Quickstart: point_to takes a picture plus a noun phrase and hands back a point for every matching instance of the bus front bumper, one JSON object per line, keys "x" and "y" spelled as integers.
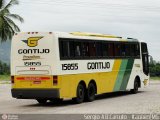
{"x": 35, "y": 93}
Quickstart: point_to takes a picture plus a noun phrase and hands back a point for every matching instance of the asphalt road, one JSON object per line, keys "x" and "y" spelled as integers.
{"x": 146, "y": 101}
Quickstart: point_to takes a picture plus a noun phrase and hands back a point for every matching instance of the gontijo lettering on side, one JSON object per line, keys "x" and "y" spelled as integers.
{"x": 98, "y": 65}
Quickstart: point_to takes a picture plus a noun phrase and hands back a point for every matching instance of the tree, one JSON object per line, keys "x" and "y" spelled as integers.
{"x": 4, "y": 68}
{"x": 155, "y": 69}
{"x": 7, "y": 25}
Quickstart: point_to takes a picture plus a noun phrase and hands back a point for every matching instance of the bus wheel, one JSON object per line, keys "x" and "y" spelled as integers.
{"x": 135, "y": 89}
{"x": 91, "y": 91}
{"x": 41, "y": 101}
{"x": 80, "y": 94}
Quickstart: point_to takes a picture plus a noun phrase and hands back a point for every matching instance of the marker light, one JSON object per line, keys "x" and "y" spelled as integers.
{"x": 55, "y": 80}
{"x": 32, "y": 68}
{"x": 12, "y": 79}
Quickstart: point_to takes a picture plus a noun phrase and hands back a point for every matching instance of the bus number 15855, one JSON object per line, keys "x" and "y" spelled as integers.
{"x": 72, "y": 66}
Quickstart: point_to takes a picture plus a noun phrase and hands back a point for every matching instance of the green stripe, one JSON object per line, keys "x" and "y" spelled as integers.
{"x": 120, "y": 75}
{"x": 127, "y": 74}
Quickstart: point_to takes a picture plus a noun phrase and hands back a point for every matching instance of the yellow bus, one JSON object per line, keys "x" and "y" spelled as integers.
{"x": 58, "y": 65}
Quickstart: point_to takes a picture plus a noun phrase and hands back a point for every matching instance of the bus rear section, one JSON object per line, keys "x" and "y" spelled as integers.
{"x": 32, "y": 58}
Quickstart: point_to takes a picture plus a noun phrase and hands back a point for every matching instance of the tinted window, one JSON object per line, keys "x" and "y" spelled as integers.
{"x": 64, "y": 51}
{"x": 92, "y": 49}
{"x": 128, "y": 50}
{"x": 99, "y": 51}
{"x": 117, "y": 49}
{"x": 134, "y": 49}
{"x": 77, "y": 49}
{"x": 85, "y": 49}
{"x": 123, "y": 49}
{"x": 88, "y": 49}
{"x": 104, "y": 49}
{"x": 111, "y": 49}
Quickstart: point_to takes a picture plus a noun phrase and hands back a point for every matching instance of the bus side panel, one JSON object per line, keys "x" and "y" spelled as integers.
{"x": 69, "y": 83}
{"x": 65, "y": 81}
{"x": 120, "y": 78}
{"x": 105, "y": 81}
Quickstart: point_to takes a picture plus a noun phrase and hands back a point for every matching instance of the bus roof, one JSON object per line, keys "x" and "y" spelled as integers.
{"x": 95, "y": 36}
{"x": 86, "y": 35}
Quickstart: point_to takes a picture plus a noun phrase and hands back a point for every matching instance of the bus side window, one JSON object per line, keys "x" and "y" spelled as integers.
{"x": 117, "y": 47}
{"x": 85, "y": 49}
{"x": 99, "y": 52}
{"x": 123, "y": 50}
{"x": 64, "y": 51}
{"x": 127, "y": 47}
{"x": 132, "y": 50}
{"x": 111, "y": 49}
{"x": 92, "y": 49}
{"x": 78, "y": 49}
{"x": 71, "y": 49}
{"x": 135, "y": 51}
{"x": 105, "y": 49}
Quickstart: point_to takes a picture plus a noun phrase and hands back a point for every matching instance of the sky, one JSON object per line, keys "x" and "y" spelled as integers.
{"x": 127, "y": 18}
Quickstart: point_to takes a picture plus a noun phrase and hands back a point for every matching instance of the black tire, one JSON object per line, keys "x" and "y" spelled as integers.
{"x": 136, "y": 86}
{"x": 80, "y": 94}
{"x": 41, "y": 101}
{"x": 91, "y": 91}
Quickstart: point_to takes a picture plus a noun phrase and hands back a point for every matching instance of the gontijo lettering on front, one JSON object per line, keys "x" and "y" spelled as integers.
{"x": 57, "y": 65}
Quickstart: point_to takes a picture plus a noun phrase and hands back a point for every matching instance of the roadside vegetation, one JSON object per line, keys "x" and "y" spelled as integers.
{"x": 155, "y": 70}
{"x": 155, "y": 78}
{"x": 7, "y": 29}
{"x": 5, "y": 77}
{"x": 4, "y": 71}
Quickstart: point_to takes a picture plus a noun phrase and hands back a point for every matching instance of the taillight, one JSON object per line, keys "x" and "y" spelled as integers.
{"x": 55, "y": 80}
{"x": 12, "y": 79}
{"x": 32, "y": 68}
